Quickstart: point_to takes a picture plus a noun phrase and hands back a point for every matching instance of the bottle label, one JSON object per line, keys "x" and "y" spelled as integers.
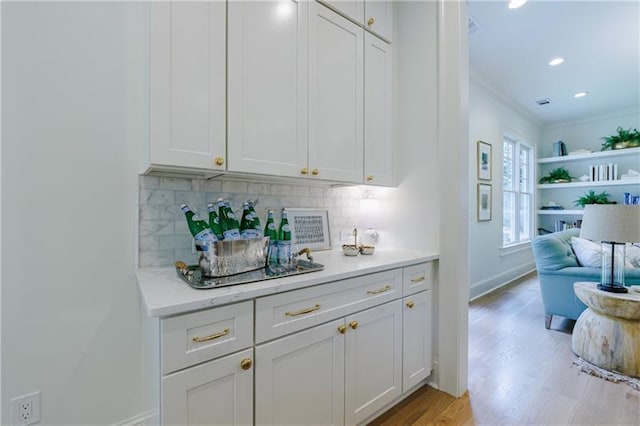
{"x": 272, "y": 226}
{"x": 205, "y": 235}
{"x": 232, "y": 234}
{"x": 249, "y": 233}
{"x": 286, "y": 227}
{"x": 284, "y": 252}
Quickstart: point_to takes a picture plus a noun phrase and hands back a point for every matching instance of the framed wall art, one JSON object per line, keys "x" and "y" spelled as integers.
{"x": 484, "y": 161}
{"x": 484, "y": 202}
{"x": 309, "y": 228}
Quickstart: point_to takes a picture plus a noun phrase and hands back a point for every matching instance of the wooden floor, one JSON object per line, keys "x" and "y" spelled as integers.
{"x": 520, "y": 373}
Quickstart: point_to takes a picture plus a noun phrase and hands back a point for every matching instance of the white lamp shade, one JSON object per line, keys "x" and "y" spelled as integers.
{"x": 369, "y": 213}
{"x": 611, "y": 222}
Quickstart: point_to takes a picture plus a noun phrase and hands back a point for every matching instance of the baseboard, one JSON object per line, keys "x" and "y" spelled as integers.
{"x": 145, "y": 419}
{"x": 493, "y": 283}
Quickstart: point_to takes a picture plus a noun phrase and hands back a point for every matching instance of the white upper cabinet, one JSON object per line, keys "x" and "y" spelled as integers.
{"x": 267, "y": 84}
{"x": 374, "y": 15}
{"x": 188, "y": 85}
{"x": 378, "y": 148}
{"x": 378, "y": 18}
{"x": 335, "y": 96}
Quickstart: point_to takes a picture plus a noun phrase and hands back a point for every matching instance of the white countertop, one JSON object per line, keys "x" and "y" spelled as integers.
{"x": 164, "y": 293}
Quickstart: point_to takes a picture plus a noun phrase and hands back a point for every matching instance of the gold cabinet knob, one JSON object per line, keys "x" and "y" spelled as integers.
{"x": 245, "y": 364}
{"x": 370, "y": 178}
{"x": 353, "y": 324}
{"x": 219, "y": 161}
{"x": 304, "y": 171}
{"x": 371, "y": 21}
{"x": 410, "y": 304}
{"x": 342, "y": 329}
{"x": 315, "y": 172}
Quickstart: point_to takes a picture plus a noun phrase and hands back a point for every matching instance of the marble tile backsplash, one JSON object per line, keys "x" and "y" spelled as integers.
{"x": 163, "y": 233}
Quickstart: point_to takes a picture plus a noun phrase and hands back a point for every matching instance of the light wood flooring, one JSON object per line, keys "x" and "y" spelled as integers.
{"x": 520, "y": 373}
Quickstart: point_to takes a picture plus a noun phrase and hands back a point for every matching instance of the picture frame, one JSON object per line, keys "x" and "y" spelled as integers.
{"x": 484, "y": 161}
{"x": 484, "y": 202}
{"x": 309, "y": 228}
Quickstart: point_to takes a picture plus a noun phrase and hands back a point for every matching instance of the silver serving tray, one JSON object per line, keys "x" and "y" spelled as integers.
{"x": 192, "y": 274}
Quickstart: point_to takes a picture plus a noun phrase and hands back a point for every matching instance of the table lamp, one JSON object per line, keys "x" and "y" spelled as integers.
{"x": 613, "y": 225}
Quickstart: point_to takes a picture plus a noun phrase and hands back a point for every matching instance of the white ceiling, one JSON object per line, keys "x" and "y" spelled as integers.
{"x": 600, "y": 41}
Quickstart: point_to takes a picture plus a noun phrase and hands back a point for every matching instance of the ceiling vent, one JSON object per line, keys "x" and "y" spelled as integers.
{"x": 544, "y": 101}
{"x": 472, "y": 25}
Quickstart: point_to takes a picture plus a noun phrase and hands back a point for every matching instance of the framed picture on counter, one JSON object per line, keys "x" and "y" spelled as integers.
{"x": 309, "y": 228}
{"x": 484, "y": 202}
{"x": 484, "y": 161}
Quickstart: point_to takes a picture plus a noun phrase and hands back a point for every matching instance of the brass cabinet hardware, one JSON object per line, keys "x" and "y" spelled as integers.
{"x": 419, "y": 279}
{"x": 304, "y": 171}
{"x": 371, "y": 21}
{"x": 315, "y": 172}
{"x": 245, "y": 364}
{"x": 353, "y": 324}
{"x": 302, "y": 311}
{"x": 370, "y": 178}
{"x": 219, "y": 161}
{"x": 342, "y": 329}
{"x": 410, "y": 304}
{"x": 211, "y": 337}
{"x": 380, "y": 290}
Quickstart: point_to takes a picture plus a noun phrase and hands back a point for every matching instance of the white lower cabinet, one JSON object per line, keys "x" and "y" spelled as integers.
{"x": 219, "y": 392}
{"x": 373, "y": 361}
{"x": 416, "y": 338}
{"x": 338, "y": 373}
{"x": 300, "y": 378}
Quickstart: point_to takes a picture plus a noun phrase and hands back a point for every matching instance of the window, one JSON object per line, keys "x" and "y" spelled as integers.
{"x": 517, "y": 192}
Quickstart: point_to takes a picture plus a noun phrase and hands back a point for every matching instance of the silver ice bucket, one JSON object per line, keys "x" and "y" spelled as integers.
{"x": 225, "y": 258}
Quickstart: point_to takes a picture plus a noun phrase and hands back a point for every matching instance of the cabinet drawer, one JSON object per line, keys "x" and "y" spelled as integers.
{"x": 200, "y": 336}
{"x": 417, "y": 278}
{"x": 286, "y": 313}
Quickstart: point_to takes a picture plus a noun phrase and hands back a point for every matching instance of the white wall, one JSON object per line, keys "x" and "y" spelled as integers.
{"x": 490, "y": 116}
{"x": 586, "y": 133}
{"x": 73, "y": 106}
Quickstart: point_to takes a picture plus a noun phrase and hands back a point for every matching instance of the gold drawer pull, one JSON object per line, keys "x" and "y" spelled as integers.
{"x": 245, "y": 364}
{"x": 212, "y": 337}
{"x": 419, "y": 279}
{"x": 342, "y": 329}
{"x": 219, "y": 161}
{"x": 370, "y": 178}
{"x": 315, "y": 172}
{"x": 302, "y": 311}
{"x": 304, "y": 171}
{"x": 410, "y": 304}
{"x": 380, "y": 290}
{"x": 353, "y": 324}
{"x": 371, "y": 21}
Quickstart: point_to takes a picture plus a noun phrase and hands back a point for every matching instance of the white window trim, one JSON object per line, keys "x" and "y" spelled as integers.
{"x": 509, "y": 248}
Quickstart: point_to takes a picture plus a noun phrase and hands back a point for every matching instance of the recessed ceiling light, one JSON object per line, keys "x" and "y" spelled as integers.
{"x": 514, "y": 4}
{"x": 556, "y": 61}
{"x": 580, "y": 94}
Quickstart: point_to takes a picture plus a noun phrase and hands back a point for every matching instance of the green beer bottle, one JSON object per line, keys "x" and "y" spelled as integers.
{"x": 270, "y": 231}
{"x": 256, "y": 219}
{"x": 214, "y": 221}
{"x": 284, "y": 240}
{"x": 199, "y": 228}
{"x": 247, "y": 229}
{"x": 228, "y": 222}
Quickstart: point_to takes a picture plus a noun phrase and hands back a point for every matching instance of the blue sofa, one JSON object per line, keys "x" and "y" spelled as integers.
{"x": 558, "y": 269}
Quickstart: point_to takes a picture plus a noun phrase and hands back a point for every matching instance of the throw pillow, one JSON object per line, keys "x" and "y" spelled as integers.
{"x": 587, "y": 252}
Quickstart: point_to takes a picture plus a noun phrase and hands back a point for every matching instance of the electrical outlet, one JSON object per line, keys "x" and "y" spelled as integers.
{"x": 25, "y": 409}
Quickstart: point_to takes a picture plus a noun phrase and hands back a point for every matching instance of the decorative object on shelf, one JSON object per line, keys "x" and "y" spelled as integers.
{"x": 551, "y": 205}
{"x": 613, "y": 225}
{"x": 592, "y": 198}
{"x": 559, "y": 175}
{"x": 580, "y": 151}
{"x": 309, "y": 228}
{"x": 484, "y": 202}
{"x": 631, "y": 174}
{"x": 625, "y": 138}
{"x": 484, "y": 161}
{"x": 559, "y": 149}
